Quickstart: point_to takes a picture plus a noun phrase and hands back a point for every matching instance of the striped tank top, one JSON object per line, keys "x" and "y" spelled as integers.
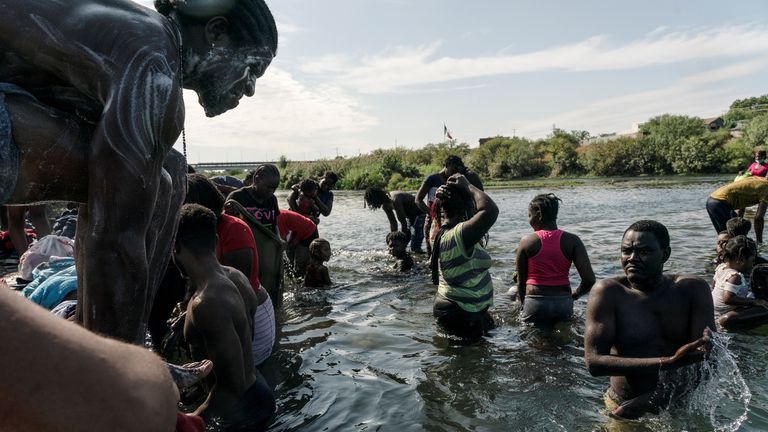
{"x": 464, "y": 279}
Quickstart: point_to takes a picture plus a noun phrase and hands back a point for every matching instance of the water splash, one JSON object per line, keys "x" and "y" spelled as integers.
{"x": 724, "y": 393}
{"x": 717, "y": 390}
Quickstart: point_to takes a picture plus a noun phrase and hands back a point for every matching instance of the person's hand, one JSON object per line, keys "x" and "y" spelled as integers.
{"x": 442, "y": 193}
{"x": 459, "y": 180}
{"x": 689, "y": 353}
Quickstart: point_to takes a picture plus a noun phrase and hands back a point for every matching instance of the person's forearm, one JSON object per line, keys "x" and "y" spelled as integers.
{"x": 324, "y": 209}
{"x": 741, "y": 301}
{"x": 612, "y": 365}
{"x": 584, "y": 287}
{"x": 484, "y": 205}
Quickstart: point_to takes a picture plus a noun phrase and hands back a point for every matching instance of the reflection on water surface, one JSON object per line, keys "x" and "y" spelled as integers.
{"x": 364, "y": 355}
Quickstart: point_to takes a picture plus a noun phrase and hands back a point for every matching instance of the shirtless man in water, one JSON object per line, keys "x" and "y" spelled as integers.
{"x": 219, "y": 325}
{"x": 644, "y": 322}
{"x": 90, "y": 107}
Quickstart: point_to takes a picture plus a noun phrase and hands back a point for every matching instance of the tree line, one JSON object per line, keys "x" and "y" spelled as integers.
{"x": 665, "y": 144}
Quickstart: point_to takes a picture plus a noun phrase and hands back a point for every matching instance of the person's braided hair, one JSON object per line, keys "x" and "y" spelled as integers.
{"x": 547, "y": 206}
{"x": 739, "y": 247}
{"x": 250, "y": 20}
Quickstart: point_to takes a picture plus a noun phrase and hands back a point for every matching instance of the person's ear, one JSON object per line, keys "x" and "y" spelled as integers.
{"x": 666, "y": 254}
{"x": 217, "y": 31}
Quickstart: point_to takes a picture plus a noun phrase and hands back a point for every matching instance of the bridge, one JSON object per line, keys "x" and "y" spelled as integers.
{"x": 224, "y": 166}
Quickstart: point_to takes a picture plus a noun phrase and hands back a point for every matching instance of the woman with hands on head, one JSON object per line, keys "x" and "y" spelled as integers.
{"x": 459, "y": 262}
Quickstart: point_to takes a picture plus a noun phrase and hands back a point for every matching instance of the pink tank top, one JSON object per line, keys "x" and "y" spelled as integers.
{"x": 549, "y": 267}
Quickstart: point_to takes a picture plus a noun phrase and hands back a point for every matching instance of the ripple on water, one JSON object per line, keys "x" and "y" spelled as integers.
{"x": 364, "y": 355}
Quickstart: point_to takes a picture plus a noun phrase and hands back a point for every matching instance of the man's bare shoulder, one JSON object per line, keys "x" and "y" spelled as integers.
{"x": 690, "y": 283}
{"x": 610, "y": 286}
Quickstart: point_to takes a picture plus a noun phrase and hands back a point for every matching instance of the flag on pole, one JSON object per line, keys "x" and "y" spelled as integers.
{"x": 446, "y": 132}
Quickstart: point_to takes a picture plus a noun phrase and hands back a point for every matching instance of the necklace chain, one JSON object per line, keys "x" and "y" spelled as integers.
{"x": 181, "y": 84}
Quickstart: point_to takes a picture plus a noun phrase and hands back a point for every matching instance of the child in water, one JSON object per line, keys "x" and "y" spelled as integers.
{"x": 397, "y": 241}
{"x": 305, "y": 203}
{"x": 317, "y": 275}
{"x": 731, "y": 294}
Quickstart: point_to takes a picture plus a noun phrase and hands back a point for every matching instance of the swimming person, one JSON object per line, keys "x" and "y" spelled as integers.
{"x": 459, "y": 263}
{"x": 399, "y": 207}
{"x": 736, "y": 305}
{"x": 92, "y": 92}
{"x": 644, "y": 322}
{"x": 543, "y": 261}
{"x": 219, "y": 326}
{"x": 730, "y": 201}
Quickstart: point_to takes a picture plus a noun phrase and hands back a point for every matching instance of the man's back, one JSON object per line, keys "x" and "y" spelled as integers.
{"x": 219, "y": 328}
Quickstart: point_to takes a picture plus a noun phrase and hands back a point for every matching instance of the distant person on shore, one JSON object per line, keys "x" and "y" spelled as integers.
{"x": 219, "y": 326}
{"x": 459, "y": 263}
{"x": 399, "y": 207}
{"x": 323, "y": 199}
{"x": 452, "y": 165}
{"x": 317, "y": 275}
{"x": 306, "y": 202}
{"x": 645, "y": 322}
{"x": 731, "y": 200}
{"x": 397, "y": 241}
{"x": 736, "y": 305}
{"x": 544, "y": 259}
{"x": 758, "y": 168}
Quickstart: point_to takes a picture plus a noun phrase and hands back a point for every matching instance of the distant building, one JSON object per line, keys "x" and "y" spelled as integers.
{"x": 713, "y": 123}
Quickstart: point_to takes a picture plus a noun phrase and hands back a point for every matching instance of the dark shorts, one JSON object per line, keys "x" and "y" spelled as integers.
{"x": 454, "y": 320}
{"x": 253, "y": 411}
{"x": 547, "y": 310}
{"x": 719, "y": 213}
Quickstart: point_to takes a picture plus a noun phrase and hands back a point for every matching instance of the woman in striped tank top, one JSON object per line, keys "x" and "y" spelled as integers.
{"x": 459, "y": 263}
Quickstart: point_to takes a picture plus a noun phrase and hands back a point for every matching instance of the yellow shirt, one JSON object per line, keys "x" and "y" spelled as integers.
{"x": 743, "y": 193}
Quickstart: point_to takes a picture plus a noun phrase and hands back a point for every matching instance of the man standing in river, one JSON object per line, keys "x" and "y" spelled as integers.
{"x": 644, "y": 322}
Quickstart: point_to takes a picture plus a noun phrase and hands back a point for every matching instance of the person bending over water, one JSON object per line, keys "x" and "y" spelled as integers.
{"x": 644, "y": 322}
{"x": 730, "y": 201}
{"x": 459, "y": 263}
{"x": 219, "y": 326}
{"x": 731, "y": 295}
{"x": 543, "y": 261}
{"x": 92, "y": 89}
{"x": 399, "y": 207}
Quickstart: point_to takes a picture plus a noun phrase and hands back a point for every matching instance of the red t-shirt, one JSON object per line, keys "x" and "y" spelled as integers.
{"x": 290, "y": 221}
{"x": 235, "y": 234}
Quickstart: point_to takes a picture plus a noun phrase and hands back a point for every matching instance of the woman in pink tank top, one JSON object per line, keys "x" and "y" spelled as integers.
{"x": 543, "y": 261}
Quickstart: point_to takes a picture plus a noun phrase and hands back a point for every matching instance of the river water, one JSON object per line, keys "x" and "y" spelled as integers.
{"x": 364, "y": 354}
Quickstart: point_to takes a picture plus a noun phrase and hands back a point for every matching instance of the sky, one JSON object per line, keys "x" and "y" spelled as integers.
{"x": 351, "y": 76}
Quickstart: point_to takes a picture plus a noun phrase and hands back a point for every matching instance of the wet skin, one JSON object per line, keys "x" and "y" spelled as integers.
{"x": 645, "y": 321}
{"x": 108, "y": 111}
